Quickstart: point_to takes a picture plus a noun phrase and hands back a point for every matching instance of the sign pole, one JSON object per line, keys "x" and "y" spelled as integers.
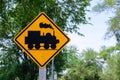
{"x": 42, "y": 73}
{"x": 53, "y": 69}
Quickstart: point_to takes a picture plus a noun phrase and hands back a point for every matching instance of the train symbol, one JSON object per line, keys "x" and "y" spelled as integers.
{"x": 34, "y": 39}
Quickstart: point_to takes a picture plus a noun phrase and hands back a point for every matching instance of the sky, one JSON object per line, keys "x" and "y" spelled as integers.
{"x": 95, "y": 33}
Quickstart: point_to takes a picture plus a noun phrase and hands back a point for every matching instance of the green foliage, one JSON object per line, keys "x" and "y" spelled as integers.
{"x": 104, "y": 5}
{"x": 111, "y": 55}
{"x": 67, "y": 58}
{"x": 16, "y": 14}
{"x": 111, "y": 60}
{"x": 104, "y": 65}
{"x": 89, "y": 54}
{"x": 114, "y": 26}
{"x": 72, "y": 54}
{"x": 87, "y": 68}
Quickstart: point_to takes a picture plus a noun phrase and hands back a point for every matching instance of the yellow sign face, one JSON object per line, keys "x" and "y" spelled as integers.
{"x": 41, "y": 40}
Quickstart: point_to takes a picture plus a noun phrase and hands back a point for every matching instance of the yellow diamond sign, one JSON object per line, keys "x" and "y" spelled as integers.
{"x": 41, "y": 40}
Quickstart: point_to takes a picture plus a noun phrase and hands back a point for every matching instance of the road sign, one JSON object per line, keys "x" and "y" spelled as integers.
{"x": 41, "y": 40}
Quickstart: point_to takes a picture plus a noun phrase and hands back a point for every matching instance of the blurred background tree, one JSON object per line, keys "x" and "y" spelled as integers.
{"x": 114, "y": 7}
{"x": 88, "y": 67}
{"x": 111, "y": 55}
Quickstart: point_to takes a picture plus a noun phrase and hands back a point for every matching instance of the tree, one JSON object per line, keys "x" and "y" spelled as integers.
{"x": 110, "y": 57}
{"x": 111, "y": 54}
{"x": 87, "y": 68}
{"x": 111, "y": 6}
{"x": 16, "y": 14}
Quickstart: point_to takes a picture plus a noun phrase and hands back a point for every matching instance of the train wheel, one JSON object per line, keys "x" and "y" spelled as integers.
{"x": 30, "y": 46}
{"x": 53, "y": 46}
{"x": 46, "y": 46}
{"x": 37, "y": 46}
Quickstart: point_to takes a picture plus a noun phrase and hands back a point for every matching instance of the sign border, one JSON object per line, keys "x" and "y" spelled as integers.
{"x": 29, "y": 54}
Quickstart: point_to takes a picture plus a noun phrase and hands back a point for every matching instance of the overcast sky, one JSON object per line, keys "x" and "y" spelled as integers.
{"x": 94, "y": 34}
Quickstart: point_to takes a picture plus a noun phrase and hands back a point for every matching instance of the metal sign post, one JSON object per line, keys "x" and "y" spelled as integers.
{"x": 52, "y": 77}
{"x": 42, "y": 73}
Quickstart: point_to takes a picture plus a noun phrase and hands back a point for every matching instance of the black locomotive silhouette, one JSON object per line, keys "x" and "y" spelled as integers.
{"x": 34, "y": 39}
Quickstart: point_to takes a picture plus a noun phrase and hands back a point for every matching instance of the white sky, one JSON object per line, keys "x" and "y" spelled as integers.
{"x": 94, "y": 34}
